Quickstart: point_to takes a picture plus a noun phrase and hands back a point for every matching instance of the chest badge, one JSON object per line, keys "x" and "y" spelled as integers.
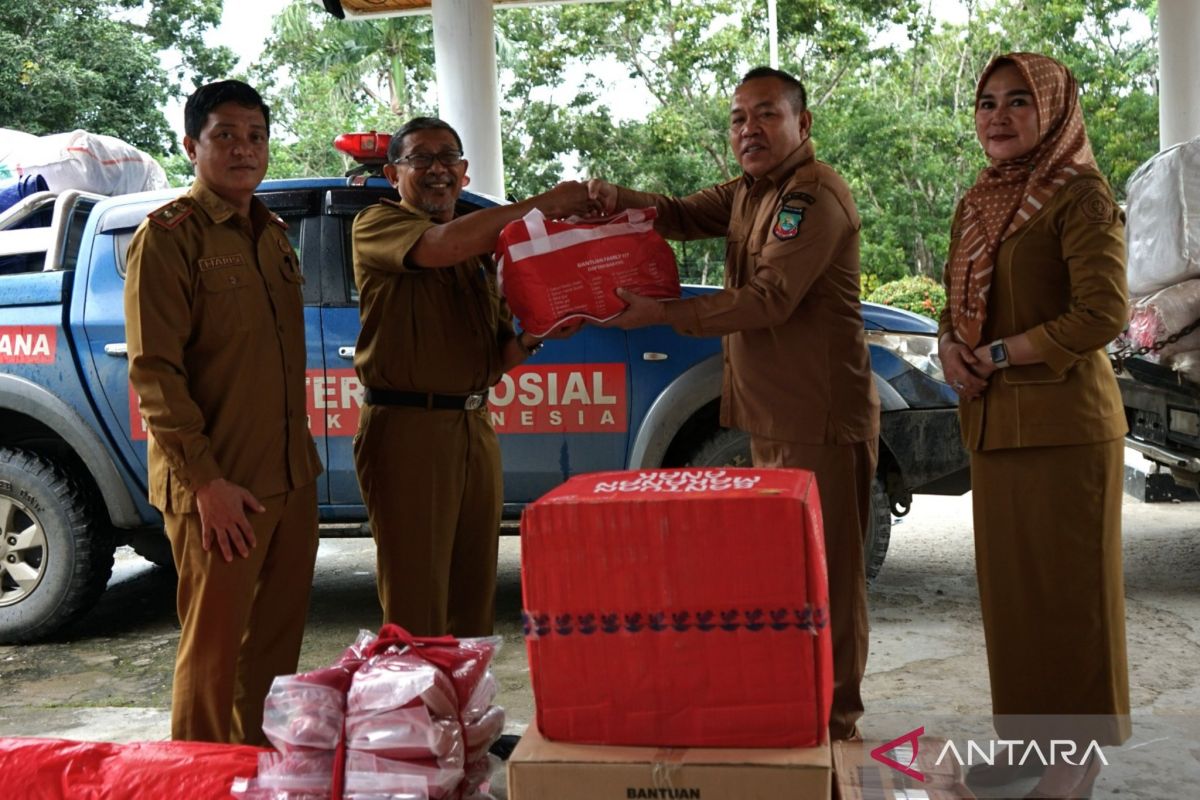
{"x": 787, "y": 224}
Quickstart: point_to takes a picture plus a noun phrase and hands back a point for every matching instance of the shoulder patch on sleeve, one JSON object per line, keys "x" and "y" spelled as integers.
{"x": 788, "y": 221}
{"x": 1094, "y": 200}
{"x": 170, "y": 215}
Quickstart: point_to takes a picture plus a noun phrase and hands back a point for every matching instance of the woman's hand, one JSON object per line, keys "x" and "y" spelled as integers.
{"x": 961, "y": 367}
{"x": 984, "y": 366}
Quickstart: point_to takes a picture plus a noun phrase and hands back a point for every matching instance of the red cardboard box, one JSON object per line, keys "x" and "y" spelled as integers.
{"x": 554, "y": 271}
{"x": 679, "y": 608}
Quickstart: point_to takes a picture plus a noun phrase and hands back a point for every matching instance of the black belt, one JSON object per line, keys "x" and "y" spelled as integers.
{"x": 455, "y": 402}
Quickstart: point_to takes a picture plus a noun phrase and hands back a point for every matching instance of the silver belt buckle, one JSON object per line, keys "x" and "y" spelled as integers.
{"x": 474, "y": 401}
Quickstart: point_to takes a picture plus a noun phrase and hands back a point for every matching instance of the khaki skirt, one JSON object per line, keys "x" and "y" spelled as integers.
{"x": 1048, "y": 558}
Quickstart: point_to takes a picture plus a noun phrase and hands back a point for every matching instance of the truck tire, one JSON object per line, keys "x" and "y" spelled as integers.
{"x": 53, "y": 563}
{"x": 731, "y": 448}
{"x": 879, "y": 531}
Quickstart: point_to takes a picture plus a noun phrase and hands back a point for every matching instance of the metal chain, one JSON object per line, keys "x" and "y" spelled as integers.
{"x": 1119, "y": 357}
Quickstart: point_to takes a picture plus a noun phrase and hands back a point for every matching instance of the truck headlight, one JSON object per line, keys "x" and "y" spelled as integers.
{"x": 916, "y": 349}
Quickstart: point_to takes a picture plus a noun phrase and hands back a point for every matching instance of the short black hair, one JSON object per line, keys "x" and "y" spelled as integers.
{"x": 211, "y": 95}
{"x": 796, "y": 93}
{"x": 396, "y": 145}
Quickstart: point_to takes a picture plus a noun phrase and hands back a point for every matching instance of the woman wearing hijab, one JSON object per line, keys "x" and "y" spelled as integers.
{"x": 1036, "y": 289}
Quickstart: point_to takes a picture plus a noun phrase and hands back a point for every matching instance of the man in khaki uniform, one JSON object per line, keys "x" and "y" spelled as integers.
{"x": 435, "y": 336}
{"x": 215, "y": 329}
{"x": 797, "y": 372}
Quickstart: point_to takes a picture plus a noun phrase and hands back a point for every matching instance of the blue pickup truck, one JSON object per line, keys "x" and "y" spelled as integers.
{"x": 73, "y": 445}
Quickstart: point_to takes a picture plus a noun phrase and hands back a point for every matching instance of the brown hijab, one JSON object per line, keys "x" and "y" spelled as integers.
{"x": 1007, "y": 194}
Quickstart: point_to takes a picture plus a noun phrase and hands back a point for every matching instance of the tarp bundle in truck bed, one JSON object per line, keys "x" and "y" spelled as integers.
{"x": 90, "y": 162}
{"x": 1162, "y": 236}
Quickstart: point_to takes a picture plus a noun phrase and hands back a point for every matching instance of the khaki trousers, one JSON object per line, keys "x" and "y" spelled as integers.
{"x": 1052, "y": 589}
{"x": 243, "y": 621}
{"x": 844, "y": 475}
{"x": 433, "y": 486}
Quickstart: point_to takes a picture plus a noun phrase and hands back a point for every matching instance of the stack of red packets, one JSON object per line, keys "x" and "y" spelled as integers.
{"x": 397, "y": 717}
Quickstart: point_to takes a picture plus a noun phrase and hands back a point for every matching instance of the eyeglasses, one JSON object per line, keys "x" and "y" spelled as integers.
{"x": 447, "y": 158}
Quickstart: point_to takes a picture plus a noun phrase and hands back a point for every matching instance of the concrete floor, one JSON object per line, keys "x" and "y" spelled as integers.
{"x": 109, "y": 679}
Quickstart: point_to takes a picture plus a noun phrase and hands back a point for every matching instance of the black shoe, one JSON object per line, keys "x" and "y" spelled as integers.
{"x": 502, "y": 748}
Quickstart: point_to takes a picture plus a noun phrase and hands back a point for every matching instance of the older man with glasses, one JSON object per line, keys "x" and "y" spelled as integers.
{"x": 435, "y": 336}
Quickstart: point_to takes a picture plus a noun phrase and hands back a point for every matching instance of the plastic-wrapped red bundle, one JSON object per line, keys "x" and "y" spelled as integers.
{"x": 58, "y": 769}
{"x": 398, "y": 717}
{"x": 553, "y": 271}
{"x": 307, "y": 711}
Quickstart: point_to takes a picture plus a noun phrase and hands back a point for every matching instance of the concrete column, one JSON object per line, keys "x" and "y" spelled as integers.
{"x": 464, "y": 46}
{"x": 1178, "y": 71}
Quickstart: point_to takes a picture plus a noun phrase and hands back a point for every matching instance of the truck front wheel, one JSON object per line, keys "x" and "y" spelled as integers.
{"x": 731, "y": 448}
{"x": 53, "y": 564}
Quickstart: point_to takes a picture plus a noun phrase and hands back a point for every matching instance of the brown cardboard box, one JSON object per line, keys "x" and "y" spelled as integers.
{"x": 543, "y": 770}
{"x": 858, "y": 776}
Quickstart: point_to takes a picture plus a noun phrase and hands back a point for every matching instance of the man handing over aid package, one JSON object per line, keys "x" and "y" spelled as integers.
{"x": 797, "y": 372}
{"x": 435, "y": 337}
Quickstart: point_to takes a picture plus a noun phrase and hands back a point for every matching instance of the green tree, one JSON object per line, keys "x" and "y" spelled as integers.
{"x": 686, "y": 56}
{"x": 323, "y": 77}
{"x": 94, "y": 65}
{"x": 890, "y": 86}
{"x": 1116, "y": 68}
{"x": 902, "y": 130}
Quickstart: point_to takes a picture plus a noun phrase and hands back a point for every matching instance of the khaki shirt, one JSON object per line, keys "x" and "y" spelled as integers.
{"x": 1061, "y": 279}
{"x": 423, "y": 330}
{"x": 214, "y": 319}
{"x": 796, "y": 362}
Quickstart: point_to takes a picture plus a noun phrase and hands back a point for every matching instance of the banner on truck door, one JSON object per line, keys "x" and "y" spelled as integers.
{"x": 550, "y": 398}
{"x": 561, "y": 398}
{"x": 28, "y": 344}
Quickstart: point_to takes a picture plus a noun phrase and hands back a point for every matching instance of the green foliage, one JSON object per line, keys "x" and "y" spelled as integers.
{"x": 178, "y": 168}
{"x": 323, "y": 77}
{"x": 891, "y": 89}
{"x": 915, "y": 293}
{"x": 72, "y": 64}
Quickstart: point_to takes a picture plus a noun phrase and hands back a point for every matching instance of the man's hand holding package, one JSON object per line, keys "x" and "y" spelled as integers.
{"x": 603, "y": 196}
{"x": 569, "y": 198}
{"x": 641, "y": 311}
{"x": 222, "y": 508}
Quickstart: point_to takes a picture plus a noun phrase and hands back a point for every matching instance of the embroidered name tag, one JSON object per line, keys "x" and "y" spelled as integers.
{"x": 218, "y": 262}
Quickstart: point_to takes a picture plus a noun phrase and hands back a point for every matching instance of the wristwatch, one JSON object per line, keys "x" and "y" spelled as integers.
{"x": 999, "y": 353}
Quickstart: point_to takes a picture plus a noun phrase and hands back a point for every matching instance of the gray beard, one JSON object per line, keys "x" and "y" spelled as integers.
{"x": 433, "y": 209}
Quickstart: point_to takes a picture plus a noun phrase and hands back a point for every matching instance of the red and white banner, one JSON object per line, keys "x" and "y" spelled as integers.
{"x": 551, "y": 398}
{"x": 28, "y": 344}
{"x": 561, "y": 398}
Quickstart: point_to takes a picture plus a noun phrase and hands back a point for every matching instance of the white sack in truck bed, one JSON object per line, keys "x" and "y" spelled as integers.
{"x": 90, "y": 162}
{"x": 1162, "y": 232}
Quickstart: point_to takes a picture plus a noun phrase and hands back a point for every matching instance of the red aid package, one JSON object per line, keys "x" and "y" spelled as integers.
{"x": 698, "y": 619}
{"x": 553, "y": 271}
{"x": 58, "y": 769}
